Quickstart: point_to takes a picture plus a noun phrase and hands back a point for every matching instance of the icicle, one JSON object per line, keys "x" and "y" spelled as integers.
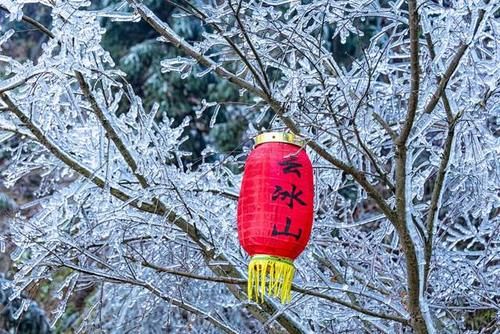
{"x": 5, "y": 37}
{"x": 261, "y": 116}
{"x": 24, "y": 305}
{"x": 213, "y": 119}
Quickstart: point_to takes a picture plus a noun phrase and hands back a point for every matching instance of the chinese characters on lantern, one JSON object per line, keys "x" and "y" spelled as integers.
{"x": 282, "y": 194}
{"x": 293, "y": 196}
{"x": 291, "y": 166}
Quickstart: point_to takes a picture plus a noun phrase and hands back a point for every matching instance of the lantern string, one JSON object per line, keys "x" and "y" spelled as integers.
{"x": 270, "y": 276}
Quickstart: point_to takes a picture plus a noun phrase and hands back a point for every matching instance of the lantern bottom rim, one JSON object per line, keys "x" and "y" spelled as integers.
{"x": 272, "y": 257}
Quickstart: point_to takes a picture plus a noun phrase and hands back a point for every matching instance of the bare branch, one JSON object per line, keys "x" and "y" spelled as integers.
{"x": 386, "y": 126}
{"x": 436, "y": 197}
{"x": 418, "y": 321}
{"x": 446, "y": 103}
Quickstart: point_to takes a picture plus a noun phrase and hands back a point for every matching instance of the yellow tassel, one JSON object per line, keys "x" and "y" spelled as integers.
{"x": 271, "y": 276}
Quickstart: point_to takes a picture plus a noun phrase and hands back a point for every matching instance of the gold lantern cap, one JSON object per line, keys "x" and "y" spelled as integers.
{"x": 280, "y": 137}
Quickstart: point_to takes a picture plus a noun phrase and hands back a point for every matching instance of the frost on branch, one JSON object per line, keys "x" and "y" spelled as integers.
{"x": 156, "y": 238}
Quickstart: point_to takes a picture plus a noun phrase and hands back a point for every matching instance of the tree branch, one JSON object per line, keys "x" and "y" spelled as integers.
{"x": 201, "y": 16}
{"x": 436, "y": 197}
{"x": 446, "y": 103}
{"x": 413, "y": 23}
{"x": 240, "y": 281}
{"x": 445, "y": 79}
{"x": 111, "y": 132}
{"x": 418, "y": 322}
{"x": 261, "y": 312}
{"x": 72, "y": 163}
{"x": 365, "y": 148}
{"x": 386, "y": 126}
{"x": 452, "y": 120}
{"x": 236, "y": 13}
{"x": 16, "y": 130}
{"x": 455, "y": 62}
{"x": 32, "y": 22}
{"x": 165, "y": 31}
{"x": 339, "y": 277}
{"x": 174, "y": 301}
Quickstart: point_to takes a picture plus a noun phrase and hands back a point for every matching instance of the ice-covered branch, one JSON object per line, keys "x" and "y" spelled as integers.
{"x": 111, "y": 132}
{"x": 164, "y": 30}
{"x": 178, "y": 221}
{"x": 402, "y": 138}
{"x": 182, "y": 304}
{"x": 304, "y": 291}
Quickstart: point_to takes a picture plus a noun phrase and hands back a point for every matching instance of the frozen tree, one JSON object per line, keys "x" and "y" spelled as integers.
{"x": 404, "y": 142}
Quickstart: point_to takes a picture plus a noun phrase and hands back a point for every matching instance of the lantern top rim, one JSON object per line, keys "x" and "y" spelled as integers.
{"x": 280, "y": 137}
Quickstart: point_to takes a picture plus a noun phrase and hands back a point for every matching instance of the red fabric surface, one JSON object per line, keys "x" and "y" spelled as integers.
{"x": 275, "y": 207}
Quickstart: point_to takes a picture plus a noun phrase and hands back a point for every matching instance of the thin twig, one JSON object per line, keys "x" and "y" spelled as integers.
{"x": 455, "y": 62}
{"x": 236, "y": 13}
{"x": 32, "y": 22}
{"x": 436, "y": 197}
{"x": 174, "y": 301}
{"x": 305, "y": 291}
{"x": 386, "y": 126}
{"x": 164, "y": 30}
{"x": 413, "y": 23}
{"x": 111, "y": 132}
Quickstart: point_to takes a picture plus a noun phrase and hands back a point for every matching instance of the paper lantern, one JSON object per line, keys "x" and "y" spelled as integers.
{"x": 275, "y": 212}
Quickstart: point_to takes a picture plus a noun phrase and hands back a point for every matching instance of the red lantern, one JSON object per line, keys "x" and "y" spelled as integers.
{"x": 275, "y": 212}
